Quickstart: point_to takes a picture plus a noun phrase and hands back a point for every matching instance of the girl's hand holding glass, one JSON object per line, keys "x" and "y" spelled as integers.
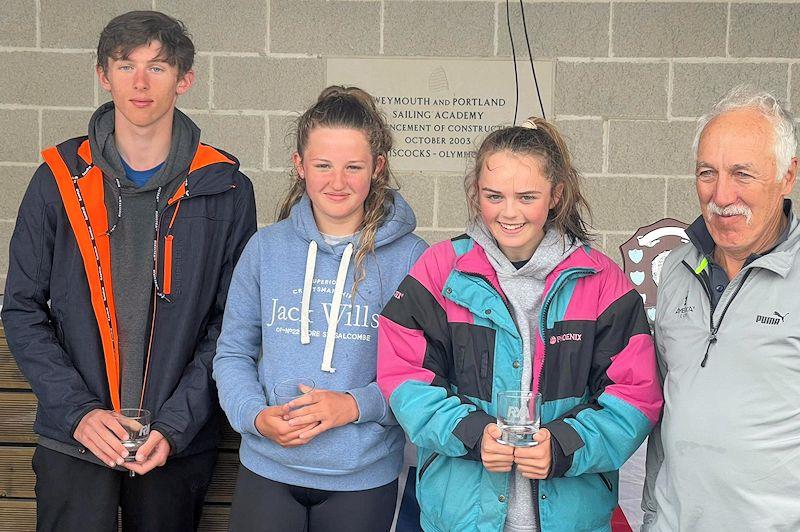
{"x": 324, "y": 408}
{"x": 271, "y": 423}
{"x": 496, "y": 457}
{"x": 535, "y": 462}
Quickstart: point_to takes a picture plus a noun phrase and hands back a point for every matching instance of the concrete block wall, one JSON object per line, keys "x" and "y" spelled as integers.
{"x": 631, "y": 78}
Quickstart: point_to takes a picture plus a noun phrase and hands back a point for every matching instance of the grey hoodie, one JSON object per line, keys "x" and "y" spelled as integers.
{"x": 524, "y": 289}
{"x": 132, "y": 238}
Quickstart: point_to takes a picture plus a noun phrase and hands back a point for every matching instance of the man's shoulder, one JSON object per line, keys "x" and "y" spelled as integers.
{"x": 74, "y": 152}
{"x": 70, "y": 147}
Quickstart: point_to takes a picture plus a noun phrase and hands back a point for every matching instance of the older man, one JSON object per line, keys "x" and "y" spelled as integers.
{"x": 727, "y": 454}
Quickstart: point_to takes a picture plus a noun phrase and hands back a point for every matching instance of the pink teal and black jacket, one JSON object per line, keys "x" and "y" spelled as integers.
{"x": 448, "y": 343}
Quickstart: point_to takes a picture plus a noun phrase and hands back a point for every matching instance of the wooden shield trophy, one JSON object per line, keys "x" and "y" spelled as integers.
{"x": 643, "y": 256}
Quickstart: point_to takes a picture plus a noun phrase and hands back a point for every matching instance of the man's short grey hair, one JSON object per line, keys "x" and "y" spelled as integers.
{"x": 748, "y": 97}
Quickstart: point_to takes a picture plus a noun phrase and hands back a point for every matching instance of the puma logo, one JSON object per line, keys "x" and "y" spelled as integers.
{"x": 776, "y": 319}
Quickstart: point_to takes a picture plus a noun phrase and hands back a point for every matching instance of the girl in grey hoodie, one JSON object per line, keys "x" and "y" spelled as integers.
{"x": 303, "y": 303}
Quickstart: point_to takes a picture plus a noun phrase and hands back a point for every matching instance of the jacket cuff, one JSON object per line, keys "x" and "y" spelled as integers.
{"x": 73, "y": 426}
{"x": 371, "y": 404}
{"x": 564, "y": 441}
{"x": 168, "y": 434}
{"x": 470, "y": 431}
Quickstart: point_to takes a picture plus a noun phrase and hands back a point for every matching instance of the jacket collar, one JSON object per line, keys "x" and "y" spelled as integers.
{"x": 780, "y": 258}
{"x": 476, "y": 261}
{"x": 220, "y": 168}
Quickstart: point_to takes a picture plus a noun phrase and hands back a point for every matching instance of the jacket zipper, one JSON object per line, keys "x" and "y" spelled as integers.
{"x": 542, "y": 328}
{"x": 167, "y": 282}
{"x": 712, "y": 328}
{"x": 427, "y": 464}
{"x": 177, "y": 204}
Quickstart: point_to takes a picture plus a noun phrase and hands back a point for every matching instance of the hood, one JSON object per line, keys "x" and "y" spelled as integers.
{"x": 399, "y": 221}
{"x": 185, "y": 140}
{"x": 550, "y": 252}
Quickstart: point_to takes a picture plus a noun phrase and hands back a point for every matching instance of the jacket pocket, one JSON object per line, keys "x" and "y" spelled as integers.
{"x": 606, "y": 482}
{"x": 424, "y": 467}
{"x": 58, "y": 329}
{"x": 473, "y": 353}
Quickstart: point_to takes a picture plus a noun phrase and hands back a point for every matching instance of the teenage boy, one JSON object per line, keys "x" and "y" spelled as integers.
{"x": 118, "y": 272}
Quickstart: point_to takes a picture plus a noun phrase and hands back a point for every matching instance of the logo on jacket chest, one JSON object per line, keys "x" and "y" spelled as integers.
{"x": 684, "y": 310}
{"x": 566, "y": 337}
{"x": 350, "y": 315}
{"x": 775, "y": 319}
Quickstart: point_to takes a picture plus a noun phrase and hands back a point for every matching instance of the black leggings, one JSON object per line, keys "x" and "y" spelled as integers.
{"x": 263, "y": 505}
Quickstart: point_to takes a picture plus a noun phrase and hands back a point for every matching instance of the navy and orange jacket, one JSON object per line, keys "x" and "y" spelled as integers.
{"x": 59, "y": 310}
{"x": 448, "y": 344}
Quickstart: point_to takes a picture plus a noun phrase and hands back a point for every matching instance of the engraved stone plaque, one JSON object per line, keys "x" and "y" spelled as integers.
{"x": 440, "y": 109}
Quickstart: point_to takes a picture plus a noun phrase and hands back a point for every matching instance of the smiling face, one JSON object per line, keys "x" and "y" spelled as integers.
{"x": 337, "y": 165}
{"x": 740, "y": 197}
{"x": 514, "y": 198}
{"x": 144, "y": 88}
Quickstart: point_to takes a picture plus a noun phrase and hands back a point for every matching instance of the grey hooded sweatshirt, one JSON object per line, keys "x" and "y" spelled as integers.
{"x": 133, "y": 234}
{"x": 524, "y": 289}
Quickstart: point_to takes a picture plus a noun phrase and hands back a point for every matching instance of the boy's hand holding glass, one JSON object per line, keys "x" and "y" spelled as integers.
{"x": 153, "y": 453}
{"x": 100, "y": 433}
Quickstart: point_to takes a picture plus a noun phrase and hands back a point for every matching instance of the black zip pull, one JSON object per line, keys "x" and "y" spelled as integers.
{"x": 607, "y": 482}
{"x": 711, "y": 341}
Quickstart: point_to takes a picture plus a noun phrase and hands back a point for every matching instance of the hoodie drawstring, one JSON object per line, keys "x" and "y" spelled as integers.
{"x": 336, "y": 304}
{"x": 311, "y": 260}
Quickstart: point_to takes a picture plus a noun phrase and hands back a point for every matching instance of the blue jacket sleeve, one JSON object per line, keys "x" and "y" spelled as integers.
{"x": 27, "y": 319}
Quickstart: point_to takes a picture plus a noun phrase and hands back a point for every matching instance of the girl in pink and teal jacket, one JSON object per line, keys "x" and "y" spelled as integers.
{"x": 520, "y": 302}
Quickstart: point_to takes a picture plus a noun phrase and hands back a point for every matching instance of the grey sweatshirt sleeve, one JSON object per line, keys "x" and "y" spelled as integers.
{"x": 655, "y": 456}
{"x": 371, "y": 405}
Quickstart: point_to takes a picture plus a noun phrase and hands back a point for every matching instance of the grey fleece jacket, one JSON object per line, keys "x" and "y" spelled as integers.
{"x": 524, "y": 289}
{"x": 726, "y": 455}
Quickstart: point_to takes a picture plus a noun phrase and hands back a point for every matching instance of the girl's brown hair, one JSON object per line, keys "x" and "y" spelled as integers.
{"x": 540, "y": 139}
{"x": 350, "y": 108}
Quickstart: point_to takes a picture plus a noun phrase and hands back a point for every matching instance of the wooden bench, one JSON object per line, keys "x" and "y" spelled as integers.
{"x": 18, "y": 441}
